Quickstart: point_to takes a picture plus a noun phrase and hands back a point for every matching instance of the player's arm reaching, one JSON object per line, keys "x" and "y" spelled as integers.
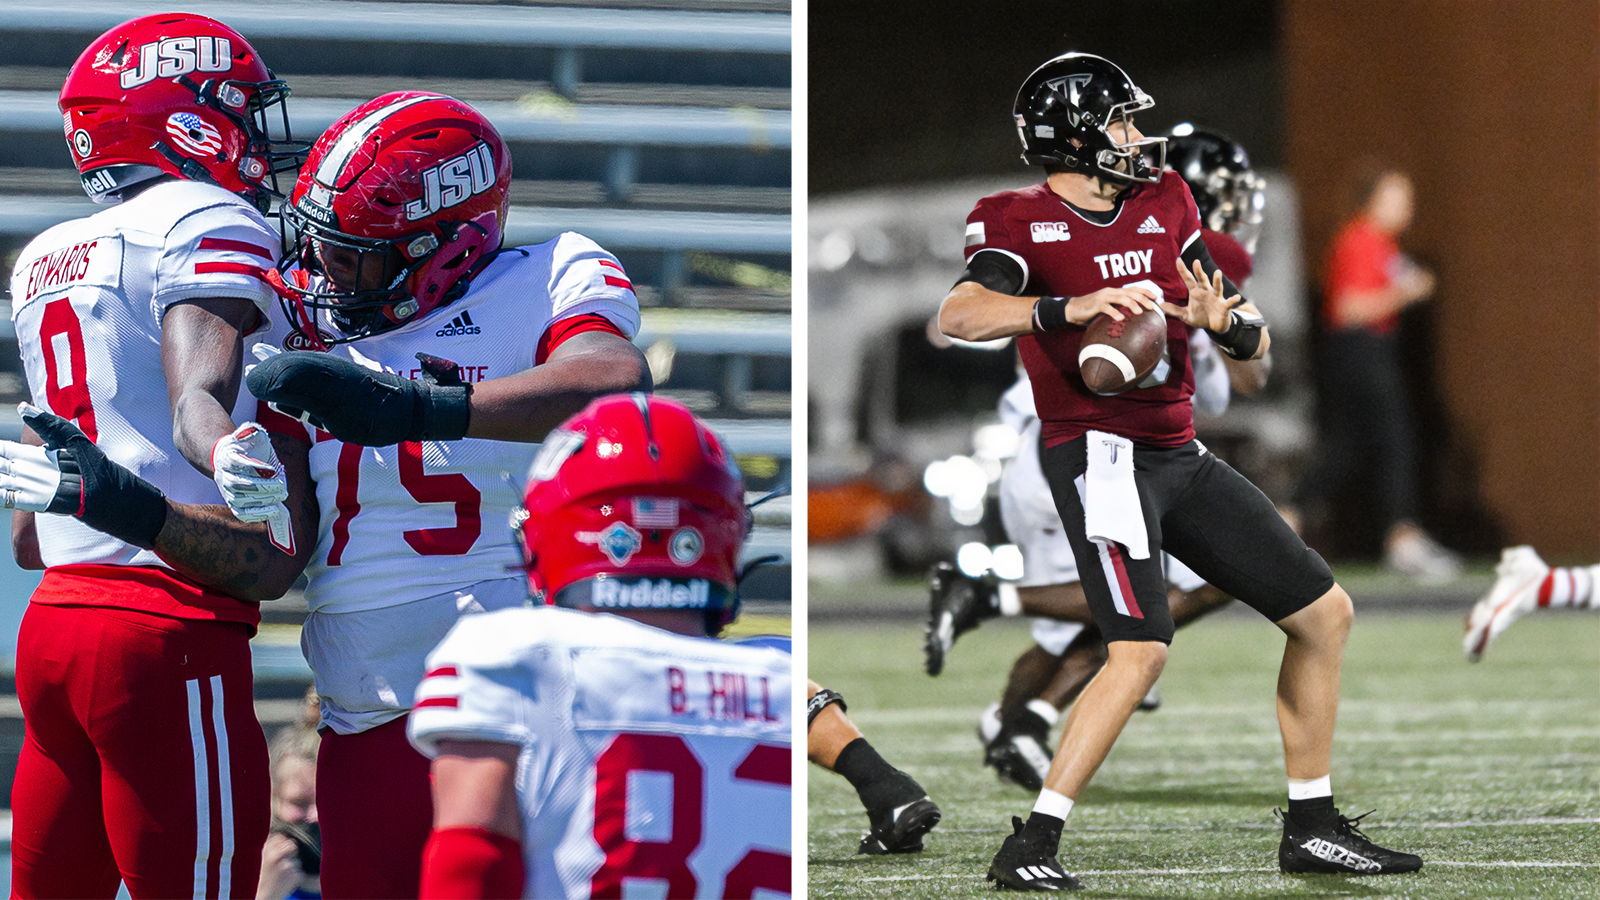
{"x": 202, "y": 353}
{"x": 69, "y": 475}
{"x": 984, "y": 304}
{"x": 475, "y": 849}
{"x": 361, "y": 406}
{"x": 1215, "y": 305}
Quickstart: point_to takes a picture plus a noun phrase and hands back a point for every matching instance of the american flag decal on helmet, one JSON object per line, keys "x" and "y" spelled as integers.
{"x": 655, "y": 512}
{"x": 193, "y": 135}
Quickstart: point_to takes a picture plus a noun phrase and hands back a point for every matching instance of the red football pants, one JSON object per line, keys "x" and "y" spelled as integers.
{"x": 143, "y": 759}
{"x": 375, "y": 808}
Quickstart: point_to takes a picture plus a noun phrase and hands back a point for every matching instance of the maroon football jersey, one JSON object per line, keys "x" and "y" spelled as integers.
{"x": 1229, "y": 255}
{"x": 1064, "y": 254}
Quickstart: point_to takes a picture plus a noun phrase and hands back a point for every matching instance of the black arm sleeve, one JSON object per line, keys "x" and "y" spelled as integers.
{"x": 1197, "y": 251}
{"x": 995, "y": 271}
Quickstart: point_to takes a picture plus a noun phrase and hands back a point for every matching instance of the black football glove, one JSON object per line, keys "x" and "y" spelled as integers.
{"x": 360, "y": 406}
{"x": 103, "y": 494}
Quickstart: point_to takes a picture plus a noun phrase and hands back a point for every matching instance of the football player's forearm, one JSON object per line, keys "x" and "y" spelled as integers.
{"x": 209, "y": 546}
{"x": 1248, "y": 376}
{"x": 24, "y": 533}
{"x": 25, "y": 541}
{"x": 972, "y": 312}
{"x": 525, "y": 406}
{"x": 202, "y": 353}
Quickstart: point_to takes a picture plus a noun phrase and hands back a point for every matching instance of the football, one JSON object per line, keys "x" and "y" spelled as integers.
{"x": 1118, "y": 355}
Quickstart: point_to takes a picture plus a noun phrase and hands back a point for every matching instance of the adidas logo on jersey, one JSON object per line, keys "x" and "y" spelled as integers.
{"x": 1047, "y": 232}
{"x": 461, "y": 324}
{"x": 1151, "y": 226}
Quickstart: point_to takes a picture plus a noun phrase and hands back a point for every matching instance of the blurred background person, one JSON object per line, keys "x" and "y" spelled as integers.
{"x": 291, "y": 861}
{"x": 1368, "y": 430}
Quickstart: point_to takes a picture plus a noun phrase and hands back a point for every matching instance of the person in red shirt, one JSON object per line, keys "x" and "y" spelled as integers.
{"x": 1367, "y": 282}
{"x": 1105, "y": 233}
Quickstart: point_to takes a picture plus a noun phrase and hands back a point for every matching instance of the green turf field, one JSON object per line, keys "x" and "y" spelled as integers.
{"x": 1490, "y": 771}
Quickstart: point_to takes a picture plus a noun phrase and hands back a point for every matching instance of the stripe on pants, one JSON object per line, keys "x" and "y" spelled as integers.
{"x": 202, "y": 789}
{"x": 219, "y": 725}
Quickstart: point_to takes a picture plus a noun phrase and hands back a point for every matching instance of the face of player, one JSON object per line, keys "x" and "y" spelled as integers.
{"x": 1392, "y": 203}
{"x": 350, "y": 269}
{"x": 1123, "y": 132}
{"x": 294, "y": 795}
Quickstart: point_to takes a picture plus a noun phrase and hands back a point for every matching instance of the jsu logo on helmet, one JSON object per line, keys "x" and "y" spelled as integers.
{"x": 176, "y": 56}
{"x": 453, "y": 182}
{"x": 1049, "y": 232}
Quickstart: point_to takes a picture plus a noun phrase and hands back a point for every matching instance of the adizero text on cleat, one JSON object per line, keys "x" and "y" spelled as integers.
{"x": 1338, "y": 846}
{"x": 901, "y": 829}
{"x": 1025, "y": 864}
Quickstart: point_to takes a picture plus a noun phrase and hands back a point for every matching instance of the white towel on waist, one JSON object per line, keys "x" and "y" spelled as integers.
{"x": 1111, "y": 509}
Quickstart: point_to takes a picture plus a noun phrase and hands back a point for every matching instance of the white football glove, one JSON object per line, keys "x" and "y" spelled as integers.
{"x": 250, "y": 477}
{"x": 29, "y": 477}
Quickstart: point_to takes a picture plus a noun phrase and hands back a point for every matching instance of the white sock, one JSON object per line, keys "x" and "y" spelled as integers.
{"x": 1044, "y": 710}
{"x": 1053, "y": 804}
{"x": 1310, "y": 788}
{"x": 1010, "y": 603}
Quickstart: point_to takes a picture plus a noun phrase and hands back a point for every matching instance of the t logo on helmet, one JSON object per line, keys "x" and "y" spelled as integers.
{"x": 171, "y": 57}
{"x": 453, "y": 181}
{"x": 1071, "y": 86}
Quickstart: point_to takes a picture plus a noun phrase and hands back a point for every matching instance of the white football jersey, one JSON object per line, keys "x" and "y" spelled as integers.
{"x": 416, "y": 519}
{"x": 87, "y": 298}
{"x": 651, "y": 762}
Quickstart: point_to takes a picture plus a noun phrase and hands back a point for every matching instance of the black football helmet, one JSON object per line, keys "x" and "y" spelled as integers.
{"x": 1229, "y": 193}
{"x": 1063, "y": 111}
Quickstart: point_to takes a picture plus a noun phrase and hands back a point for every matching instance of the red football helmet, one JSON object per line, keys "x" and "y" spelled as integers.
{"x": 634, "y": 504}
{"x": 400, "y": 203}
{"x": 175, "y": 94}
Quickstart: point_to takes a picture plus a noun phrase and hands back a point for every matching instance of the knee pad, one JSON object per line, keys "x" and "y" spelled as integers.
{"x": 819, "y": 701}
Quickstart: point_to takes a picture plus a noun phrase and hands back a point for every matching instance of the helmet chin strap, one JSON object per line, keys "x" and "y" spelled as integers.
{"x": 187, "y": 167}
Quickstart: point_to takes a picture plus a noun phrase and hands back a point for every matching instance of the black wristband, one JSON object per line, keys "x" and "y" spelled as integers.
{"x": 446, "y": 410}
{"x": 1050, "y": 313}
{"x": 1243, "y": 335}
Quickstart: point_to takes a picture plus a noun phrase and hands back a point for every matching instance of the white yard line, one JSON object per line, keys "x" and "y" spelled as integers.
{"x": 1242, "y": 826}
{"x": 1485, "y": 864}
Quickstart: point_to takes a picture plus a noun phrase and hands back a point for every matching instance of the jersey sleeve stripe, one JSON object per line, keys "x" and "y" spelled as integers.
{"x": 442, "y": 672}
{"x": 1189, "y": 240}
{"x": 206, "y": 268}
{"x": 447, "y": 702}
{"x": 610, "y": 265}
{"x": 561, "y": 330}
{"x": 618, "y": 282}
{"x": 236, "y": 247}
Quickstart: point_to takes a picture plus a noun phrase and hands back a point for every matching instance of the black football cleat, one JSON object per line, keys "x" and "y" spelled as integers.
{"x": 1338, "y": 846}
{"x": 956, "y": 604}
{"x": 1025, "y": 864}
{"x": 1019, "y": 753}
{"x": 900, "y": 829}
